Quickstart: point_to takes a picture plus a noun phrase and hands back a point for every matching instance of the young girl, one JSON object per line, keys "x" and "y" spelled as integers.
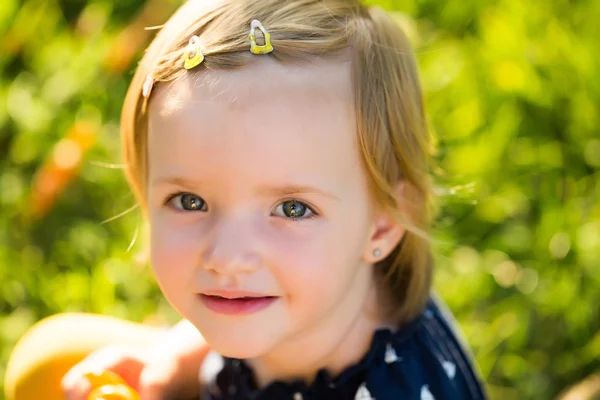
{"x": 279, "y": 150}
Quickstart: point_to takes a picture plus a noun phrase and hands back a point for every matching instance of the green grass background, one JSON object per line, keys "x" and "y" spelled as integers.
{"x": 512, "y": 91}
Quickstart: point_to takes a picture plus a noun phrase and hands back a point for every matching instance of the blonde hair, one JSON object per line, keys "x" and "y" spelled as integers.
{"x": 391, "y": 122}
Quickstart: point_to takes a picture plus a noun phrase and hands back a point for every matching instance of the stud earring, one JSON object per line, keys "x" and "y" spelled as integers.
{"x": 377, "y": 253}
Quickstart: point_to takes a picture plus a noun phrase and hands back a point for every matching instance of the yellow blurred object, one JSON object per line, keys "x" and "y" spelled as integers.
{"x": 52, "y": 346}
{"x": 109, "y": 386}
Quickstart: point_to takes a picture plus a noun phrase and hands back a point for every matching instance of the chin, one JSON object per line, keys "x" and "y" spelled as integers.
{"x": 238, "y": 341}
{"x": 239, "y": 351}
{"x": 238, "y": 346}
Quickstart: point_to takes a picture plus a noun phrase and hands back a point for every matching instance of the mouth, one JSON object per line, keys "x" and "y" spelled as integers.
{"x": 242, "y": 305}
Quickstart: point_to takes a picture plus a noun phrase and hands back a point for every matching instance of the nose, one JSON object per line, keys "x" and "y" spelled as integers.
{"x": 232, "y": 249}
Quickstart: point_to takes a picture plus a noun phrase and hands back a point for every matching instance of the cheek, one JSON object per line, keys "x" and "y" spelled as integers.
{"x": 317, "y": 268}
{"x": 173, "y": 252}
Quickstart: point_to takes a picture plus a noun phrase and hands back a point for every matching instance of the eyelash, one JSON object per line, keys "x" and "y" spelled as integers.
{"x": 311, "y": 216}
{"x": 170, "y": 197}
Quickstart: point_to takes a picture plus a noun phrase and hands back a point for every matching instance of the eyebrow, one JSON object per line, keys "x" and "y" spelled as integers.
{"x": 288, "y": 190}
{"x": 173, "y": 180}
{"x": 285, "y": 190}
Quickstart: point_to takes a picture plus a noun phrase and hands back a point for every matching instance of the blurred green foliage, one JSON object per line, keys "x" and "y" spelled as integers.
{"x": 512, "y": 94}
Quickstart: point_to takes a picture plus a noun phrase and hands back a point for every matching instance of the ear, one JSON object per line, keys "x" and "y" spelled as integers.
{"x": 386, "y": 231}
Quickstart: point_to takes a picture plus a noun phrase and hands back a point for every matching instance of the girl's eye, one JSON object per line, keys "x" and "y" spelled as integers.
{"x": 188, "y": 202}
{"x": 293, "y": 209}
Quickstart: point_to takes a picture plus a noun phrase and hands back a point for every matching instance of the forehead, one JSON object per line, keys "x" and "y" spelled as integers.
{"x": 265, "y": 112}
{"x": 264, "y": 80}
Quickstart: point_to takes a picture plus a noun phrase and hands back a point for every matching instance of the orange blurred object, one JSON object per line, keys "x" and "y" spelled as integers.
{"x": 61, "y": 167}
{"x": 107, "y": 385}
{"x": 135, "y": 36}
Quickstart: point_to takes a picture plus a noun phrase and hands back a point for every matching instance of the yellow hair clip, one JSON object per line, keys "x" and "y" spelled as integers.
{"x": 254, "y": 48}
{"x": 193, "y": 54}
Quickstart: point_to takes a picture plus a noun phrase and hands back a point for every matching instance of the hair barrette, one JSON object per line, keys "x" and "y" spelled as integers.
{"x": 147, "y": 86}
{"x": 193, "y": 54}
{"x": 255, "y": 48}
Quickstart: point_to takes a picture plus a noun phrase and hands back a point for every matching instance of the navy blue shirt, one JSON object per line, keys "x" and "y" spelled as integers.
{"x": 422, "y": 361}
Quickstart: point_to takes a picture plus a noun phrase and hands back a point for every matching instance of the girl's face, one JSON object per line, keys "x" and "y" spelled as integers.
{"x": 261, "y": 219}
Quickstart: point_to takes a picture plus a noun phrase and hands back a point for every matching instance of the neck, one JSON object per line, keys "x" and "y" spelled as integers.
{"x": 333, "y": 345}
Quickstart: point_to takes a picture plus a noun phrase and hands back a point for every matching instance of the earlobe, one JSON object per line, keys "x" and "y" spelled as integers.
{"x": 386, "y": 236}
{"x": 387, "y": 230}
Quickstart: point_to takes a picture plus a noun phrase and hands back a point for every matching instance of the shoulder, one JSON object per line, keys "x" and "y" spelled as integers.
{"x": 427, "y": 359}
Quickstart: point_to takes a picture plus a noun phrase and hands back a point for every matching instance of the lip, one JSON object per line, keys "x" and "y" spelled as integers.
{"x": 235, "y": 302}
{"x": 233, "y": 293}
